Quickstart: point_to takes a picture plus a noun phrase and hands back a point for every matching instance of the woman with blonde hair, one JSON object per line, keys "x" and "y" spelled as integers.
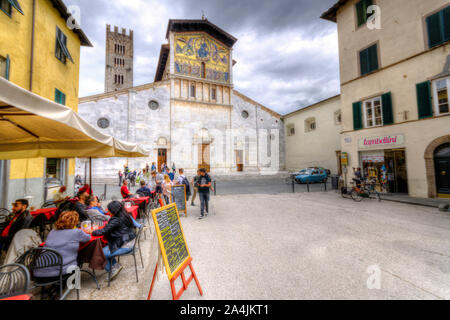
{"x": 65, "y": 239}
{"x": 167, "y": 188}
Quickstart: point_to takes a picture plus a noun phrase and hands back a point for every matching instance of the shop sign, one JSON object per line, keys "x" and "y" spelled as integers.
{"x": 382, "y": 142}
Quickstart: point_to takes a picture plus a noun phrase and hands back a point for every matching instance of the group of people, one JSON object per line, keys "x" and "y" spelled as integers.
{"x": 119, "y": 229}
{"x": 162, "y": 183}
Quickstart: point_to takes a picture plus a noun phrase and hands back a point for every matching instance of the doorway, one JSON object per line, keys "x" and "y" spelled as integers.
{"x": 204, "y": 157}
{"x": 162, "y": 158}
{"x": 240, "y": 160}
{"x": 397, "y": 176}
{"x": 442, "y": 165}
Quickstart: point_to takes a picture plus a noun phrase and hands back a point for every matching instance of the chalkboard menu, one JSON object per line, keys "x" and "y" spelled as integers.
{"x": 171, "y": 238}
{"x": 179, "y": 197}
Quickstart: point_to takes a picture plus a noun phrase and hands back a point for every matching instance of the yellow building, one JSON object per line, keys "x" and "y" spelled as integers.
{"x": 39, "y": 51}
{"x": 395, "y": 81}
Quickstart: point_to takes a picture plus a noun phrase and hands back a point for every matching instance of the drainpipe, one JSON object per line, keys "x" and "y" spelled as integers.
{"x": 32, "y": 45}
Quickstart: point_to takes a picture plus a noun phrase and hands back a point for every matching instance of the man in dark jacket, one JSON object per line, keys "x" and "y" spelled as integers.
{"x": 81, "y": 206}
{"x": 120, "y": 235}
{"x": 20, "y": 220}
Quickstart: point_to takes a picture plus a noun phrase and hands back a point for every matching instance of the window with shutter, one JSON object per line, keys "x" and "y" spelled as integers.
{"x": 388, "y": 114}
{"x": 425, "y": 108}
{"x": 441, "y": 90}
{"x": 361, "y": 11}
{"x": 60, "y": 97}
{"x": 438, "y": 27}
{"x": 368, "y": 59}
{"x": 357, "y": 116}
{"x": 4, "y": 67}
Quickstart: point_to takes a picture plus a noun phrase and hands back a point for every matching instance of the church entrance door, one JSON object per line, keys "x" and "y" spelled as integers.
{"x": 240, "y": 160}
{"x": 162, "y": 158}
{"x": 204, "y": 157}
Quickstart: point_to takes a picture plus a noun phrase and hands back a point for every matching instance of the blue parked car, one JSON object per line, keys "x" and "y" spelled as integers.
{"x": 312, "y": 175}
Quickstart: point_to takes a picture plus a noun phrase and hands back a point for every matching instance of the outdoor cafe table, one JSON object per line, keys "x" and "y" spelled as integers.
{"x": 48, "y": 212}
{"x": 134, "y": 211}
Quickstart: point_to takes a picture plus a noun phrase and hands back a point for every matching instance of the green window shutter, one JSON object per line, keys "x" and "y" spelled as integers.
{"x": 446, "y": 16}
{"x": 63, "y": 99}
{"x": 360, "y": 13}
{"x": 8, "y": 64}
{"x": 16, "y": 5}
{"x": 388, "y": 115}
{"x": 367, "y": 4}
{"x": 435, "y": 36}
{"x": 364, "y": 61}
{"x": 57, "y": 95}
{"x": 424, "y": 103}
{"x": 373, "y": 58}
{"x": 357, "y": 116}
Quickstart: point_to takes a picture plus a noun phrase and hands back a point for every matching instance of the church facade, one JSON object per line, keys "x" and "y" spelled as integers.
{"x": 191, "y": 115}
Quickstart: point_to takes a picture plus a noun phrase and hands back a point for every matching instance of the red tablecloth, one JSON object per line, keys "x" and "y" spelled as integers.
{"x": 48, "y": 212}
{"x": 138, "y": 201}
{"x": 84, "y": 245}
{"x": 133, "y": 210}
{"x": 22, "y": 297}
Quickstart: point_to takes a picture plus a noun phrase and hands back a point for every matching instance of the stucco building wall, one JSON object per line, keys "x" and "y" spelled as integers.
{"x": 315, "y": 148}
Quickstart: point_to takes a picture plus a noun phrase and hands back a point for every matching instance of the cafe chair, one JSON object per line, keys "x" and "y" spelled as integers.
{"x": 14, "y": 280}
{"x": 49, "y": 204}
{"x": 38, "y": 224}
{"x": 133, "y": 253}
{"x": 4, "y": 214}
{"x": 42, "y": 258}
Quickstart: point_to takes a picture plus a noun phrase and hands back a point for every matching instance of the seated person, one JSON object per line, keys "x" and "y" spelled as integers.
{"x": 95, "y": 210}
{"x": 61, "y": 195}
{"x": 144, "y": 190}
{"x": 120, "y": 234}
{"x": 124, "y": 191}
{"x": 20, "y": 220}
{"x": 65, "y": 239}
{"x": 81, "y": 207}
{"x": 87, "y": 189}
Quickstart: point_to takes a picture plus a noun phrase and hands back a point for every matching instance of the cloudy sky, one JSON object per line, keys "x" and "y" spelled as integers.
{"x": 287, "y": 57}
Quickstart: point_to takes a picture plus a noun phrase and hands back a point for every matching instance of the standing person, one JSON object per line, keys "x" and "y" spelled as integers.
{"x": 195, "y": 184}
{"x": 120, "y": 178}
{"x": 204, "y": 185}
{"x": 172, "y": 175}
{"x": 120, "y": 235}
{"x": 174, "y": 168}
{"x": 153, "y": 167}
{"x": 167, "y": 188}
{"x": 147, "y": 168}
{"x": 183, "y": 180}
{"x": 157, "y": 180}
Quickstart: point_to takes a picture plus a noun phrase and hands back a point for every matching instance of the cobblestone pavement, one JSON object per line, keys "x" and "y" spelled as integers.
{"x": 304, "y": 246}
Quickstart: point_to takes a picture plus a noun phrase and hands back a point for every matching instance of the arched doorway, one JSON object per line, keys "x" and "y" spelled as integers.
{"x": 442, "y": 166}
{"x": 436, "y": 148}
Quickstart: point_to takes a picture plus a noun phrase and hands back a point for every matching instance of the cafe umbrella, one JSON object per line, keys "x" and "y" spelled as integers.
{"x": 32, "y": 127}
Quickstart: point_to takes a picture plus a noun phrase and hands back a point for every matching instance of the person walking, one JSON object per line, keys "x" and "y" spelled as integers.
{"x": 183, "y": 180}
{"x": 153, "y": 167}
{"x": 174, "y": 168}
{"x": 204, "y": 185}
{"x": 120, "y": 178}
{"x": 194, "y": 182}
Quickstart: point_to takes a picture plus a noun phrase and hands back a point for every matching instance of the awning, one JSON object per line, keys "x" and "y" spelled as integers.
{"x": 32, "y": 126}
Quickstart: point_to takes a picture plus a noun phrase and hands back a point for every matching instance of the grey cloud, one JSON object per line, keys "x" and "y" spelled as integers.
{"x": 269, "y": 80}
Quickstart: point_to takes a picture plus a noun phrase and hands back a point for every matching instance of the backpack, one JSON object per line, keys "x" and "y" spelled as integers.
{"x": 188, "y": 186}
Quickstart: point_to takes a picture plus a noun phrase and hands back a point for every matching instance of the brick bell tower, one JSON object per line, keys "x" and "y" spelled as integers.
{"x": 119, "y": 59}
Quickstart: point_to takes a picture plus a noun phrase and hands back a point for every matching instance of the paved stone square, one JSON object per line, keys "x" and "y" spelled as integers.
{"x": 305, "y": 246}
